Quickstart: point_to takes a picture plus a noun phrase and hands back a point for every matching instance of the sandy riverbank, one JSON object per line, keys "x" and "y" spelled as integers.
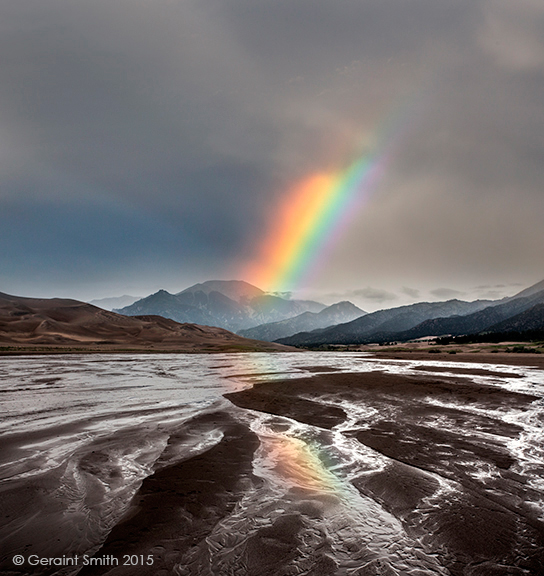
{"x": 512, "y": 359}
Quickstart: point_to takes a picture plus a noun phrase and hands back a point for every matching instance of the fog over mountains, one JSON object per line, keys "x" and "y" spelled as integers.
{"x": 115, "y": 302}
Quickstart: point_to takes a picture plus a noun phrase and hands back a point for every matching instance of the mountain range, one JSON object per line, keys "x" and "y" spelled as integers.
{"x": 425, "y": 319}
{"x": 531, "y": 320}
{"x": 231, "y": 304}
{"x": 335, "y": 314}
{"x": 195, "y": 319}
{"x": 490, "y": 319}
{"x": 252, "y": 313}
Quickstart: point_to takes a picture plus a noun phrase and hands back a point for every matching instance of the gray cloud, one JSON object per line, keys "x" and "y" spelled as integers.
{"x": 491, "y": 295}
{"x": 447, "y": 293}
{"x": 154, "y": 139}
{"x": 376, "y": 294}
{"x": 373, "y": 295}
{"x": 513, "y": 35}
{"x": 496, "y": 291}
{"x": 412, "y": 292}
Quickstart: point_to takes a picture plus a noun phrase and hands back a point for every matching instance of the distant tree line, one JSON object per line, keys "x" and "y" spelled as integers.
{"x": 494, "y": 337}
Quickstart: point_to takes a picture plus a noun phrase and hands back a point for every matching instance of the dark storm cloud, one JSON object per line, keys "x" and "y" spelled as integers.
{"x": 136, "y": 131}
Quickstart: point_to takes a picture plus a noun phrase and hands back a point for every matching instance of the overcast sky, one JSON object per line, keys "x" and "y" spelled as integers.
{"x": 146, "y": 144}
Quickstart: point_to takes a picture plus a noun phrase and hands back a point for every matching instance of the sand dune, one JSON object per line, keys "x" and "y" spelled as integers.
{"x": 66, "y": 325}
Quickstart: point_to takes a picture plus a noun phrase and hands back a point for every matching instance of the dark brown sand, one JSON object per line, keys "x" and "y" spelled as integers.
{"x": 277, "y": 398}
{"x": 177, "y": 507}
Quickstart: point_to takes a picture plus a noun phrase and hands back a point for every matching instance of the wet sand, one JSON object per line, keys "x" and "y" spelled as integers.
{"x": 177, "y": 507}
{"x": 451, "y": 486}
{"x": 449, "y": 476}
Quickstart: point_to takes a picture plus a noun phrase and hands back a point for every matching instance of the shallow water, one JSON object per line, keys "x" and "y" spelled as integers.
{"x": 86, "y": 430}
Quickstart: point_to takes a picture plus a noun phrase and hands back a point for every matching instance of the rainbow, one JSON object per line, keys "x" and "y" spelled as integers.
{"x": 315, "y": 211}
{"x": 312, "y": 215}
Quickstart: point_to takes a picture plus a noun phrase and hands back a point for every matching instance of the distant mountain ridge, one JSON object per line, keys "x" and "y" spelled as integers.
{"x": 387, "y": 321}
{"x": 525, "y": 293}
{"x": 332, "y": 315}
{"x": 209, "y": 304}
{"x": 114, "y": 302}
{"x": 480, "y": 321}
{"x": 423, "y": 319}
{"x": 531, "y": 319}
{"x": 165, "y": 319}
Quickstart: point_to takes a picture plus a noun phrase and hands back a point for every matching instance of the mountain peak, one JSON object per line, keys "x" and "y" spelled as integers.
{"x": 231, "y": 304}
{"x": 346, "y": 305}
{"x": 234, "y": 289}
